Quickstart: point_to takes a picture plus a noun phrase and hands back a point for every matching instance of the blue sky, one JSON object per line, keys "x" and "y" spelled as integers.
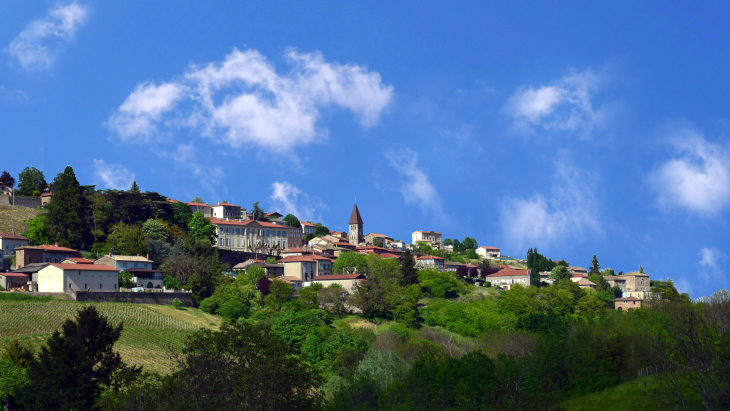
{"x": 575, "y": 128}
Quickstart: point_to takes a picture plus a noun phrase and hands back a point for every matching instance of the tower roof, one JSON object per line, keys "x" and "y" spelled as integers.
{"x": 355, "y": 217}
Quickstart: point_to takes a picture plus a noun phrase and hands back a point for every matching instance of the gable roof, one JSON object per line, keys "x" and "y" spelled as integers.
{"x": 511, "y": 272}
{"x": 307, "y": 223}
{"x": 80, "y": 260}
{"x": 339, "y": 277}
{"x": 226, "y": 204}
{"x": 489, "y": 248}
{"x": 137, "y": 258}
{"x": 198, "y": 204}
{"x": 249, "y": 223}
{"x": 9, "y": 236}
{"x": 355, "y": 217}
{"x": 84, "y": 267}
{"x": 48, "y": 248}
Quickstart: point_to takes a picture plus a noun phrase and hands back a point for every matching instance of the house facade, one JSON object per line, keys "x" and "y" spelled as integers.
{"x": 46, "y": 198}
{"x": 506, "y": 278}
{"x": 203, "y": 208}
{"x": 225, "y": 210}
{"x": 60, "y": 278}
{"x": 14, "y": 281}
{"x": 346, "y": 281}
{"x": 430, "y": 261}
{"x": 488, "y": 252}
{"x": 433, "y": 238}
{"x": 308, "y": 228}
{"x": 244, "y": 235}
{"x": 9, "y": 242}
{"x": 627, "y": 303}
{"x": 42, "y": 254}
{"x": 125, "y": 262}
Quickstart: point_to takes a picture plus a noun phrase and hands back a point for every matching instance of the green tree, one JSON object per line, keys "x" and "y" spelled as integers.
{"x": 126, "y": 239}
{"x": 75, "y": 365}
{"x": 181, "y": 214}
{"x": 595, "y": 267}
{"x": 448, "y": 242}
{"x": 66, "y": 213}
{"x": 458, "y": 247}
{"x": 377, "y": 242}
{"x": 641, "y": 269}
{"x": 308, "y": 237}
{"x": 198, "y": 200}
{"x": 484, "y": 265}
{"x": 279, "y": 293}
{"x": 350, "y": 262}
{"x": 560, "y": 273}
{"x": 125, "y": 280}
{"x": 609, "y": 272}
{"x": 18, "y": 354}
{"x": 470, "y": 244}
{"x": 409, "y": 272}
{"x": 135, "y": 188}
{"x": 13, "y": 379}
{"x": 258, "y": 213}
{"x": 201, "y": 228}
{"x": 321, "y": 230}
{"x": 7, "y": 179}
{"x": 29, "y": 180}
{"x": 155, "y": 230}
{"x": 271, "y": 260}
{"x": 292, "y": 220}
{"x": 37, "y": 231}
{"x": 171, "y": 283}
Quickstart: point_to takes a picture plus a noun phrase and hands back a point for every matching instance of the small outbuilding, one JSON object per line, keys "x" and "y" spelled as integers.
{"x": 627, "y": 303}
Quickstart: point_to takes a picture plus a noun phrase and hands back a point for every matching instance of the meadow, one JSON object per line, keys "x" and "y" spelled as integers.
{"x": 149, "y": 331}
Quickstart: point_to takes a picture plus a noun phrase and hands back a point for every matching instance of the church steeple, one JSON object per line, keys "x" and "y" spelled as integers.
{"x": 355, "y": 223}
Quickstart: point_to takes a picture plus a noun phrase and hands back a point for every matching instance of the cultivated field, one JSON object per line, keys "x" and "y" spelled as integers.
{"x": 16, "y": 218}
{"x": 148, "y": 330}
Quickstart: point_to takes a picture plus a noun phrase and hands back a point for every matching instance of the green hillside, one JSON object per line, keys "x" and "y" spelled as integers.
{"x": 16, "y": 218}
{"x": 148, "y": 330}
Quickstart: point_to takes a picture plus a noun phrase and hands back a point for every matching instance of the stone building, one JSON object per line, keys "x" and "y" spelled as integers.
{"x": 433, "y": 238}
{"x": 43, "y": 254}
{"x": 627, "y": 303}
{"x": 356, "y": 234}
{"x": 9, "y": 242}
{"x": 240, "y": 235}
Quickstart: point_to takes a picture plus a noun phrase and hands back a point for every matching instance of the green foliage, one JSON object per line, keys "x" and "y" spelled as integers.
{"x": 13, "y": 379}
{"x": 29, "y": 180}
{"x": 308, "y": 237}
{"x": 198, "y": 200}
{"x": 538, "y": 263}
{"x": 18, "y": 354}
{"x": 469, "y": 244}
{"x": 377, "y": 242}
{"x": 271, "y": 260}
{"x": 126, "y": 239}
{"x": 171, "y": 283}
{"x": 7, "y": 179}
{"x": 258, "y": 213}
{"x": 176, "y": 304}
{"x": 75, "y": 365}
{"x": 292, "y": 221}
{"x": 292, "y": 326}
{"x": 181, "y": 214}
{"x": 469, "y": 318}
{"x": 560, "y": 273}
{"x": 233, "y": 309}
{"x": 382, "y": 368}
{"x": 439, "y": 284}
{"x": 155, "y": 230}
{"x": 350, "y": 262}
{"x": 448, "y": 242}
{"x": 608, "y": 271}
{"x": 409, "y": 272}
{"x": 37, "y": 231}
{"x": 321, "y": 230}
{"x": 595, "y": 267}
{"x": 66, "y": 213}
{"x": 323, "y": 347}
{"x": 200, "y": 227}
{"x": 279, "y": 293}
{"x": 125, "y": 280}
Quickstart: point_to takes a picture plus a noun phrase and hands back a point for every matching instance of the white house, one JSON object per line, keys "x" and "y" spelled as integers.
{"x": 9, "y": 242}
{"x": 491, "y": 252}
{"x": 225, "y": 210}
{"x": 59, "y": 278}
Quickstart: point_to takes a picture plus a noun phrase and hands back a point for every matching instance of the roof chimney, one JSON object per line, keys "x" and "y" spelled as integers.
{"x": 148, "y": 256}
{"x": 56, "y": 244}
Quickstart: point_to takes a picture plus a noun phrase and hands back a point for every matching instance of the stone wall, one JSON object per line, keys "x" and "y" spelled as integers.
{"x": 29, "y": 202}
{"x": 135, "y": 298}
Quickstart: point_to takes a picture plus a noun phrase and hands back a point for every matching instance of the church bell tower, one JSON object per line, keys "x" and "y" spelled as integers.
{"x": 355, "y": 223}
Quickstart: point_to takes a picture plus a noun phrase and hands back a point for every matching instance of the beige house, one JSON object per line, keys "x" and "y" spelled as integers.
{"x": 42, "y": 254}
{"x": 614, "y": 281}
{"x": 306, "y": 267}
{"x": 272, "y": 270}
{"x": 9, "y": 242}
{"x": 636, "y": 281}
{"x": 346, "y": 281}
{"x": 125, "y": 262}
{"x": 627, "y": 303}
{"x": 584, "y": 282}
{"x": 507, "y": 277}
{"x": 46, "y": 198}
{"x": 578, "y": 270}
{"x": 225, "y": 210}
{"x": 244, "y": 235}
{"x": 308, "y": 228}
{"x": 370, "y": 239}
{"x": 433, "y": 238}
{"x": 203, "y": 208}
{"x": 491, "y": 252}
{"x": 59, "y": 278}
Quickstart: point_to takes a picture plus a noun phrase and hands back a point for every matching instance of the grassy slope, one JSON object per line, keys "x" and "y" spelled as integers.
{"x": 633, "y": 395}
{"x": 148, "y": 330}
{"x": 16, "y": 218}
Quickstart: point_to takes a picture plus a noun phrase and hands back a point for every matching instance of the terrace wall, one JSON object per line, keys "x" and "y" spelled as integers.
{"x": 135, "y": 298}
{"x": 29, "y": 202}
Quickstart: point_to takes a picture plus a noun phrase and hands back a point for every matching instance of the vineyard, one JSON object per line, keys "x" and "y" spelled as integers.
{"x": 149, "y": 332}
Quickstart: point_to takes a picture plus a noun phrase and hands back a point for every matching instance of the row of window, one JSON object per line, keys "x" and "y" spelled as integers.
{"x": 86, "y": 274}
{"x": 252, "y": 231}
{"x": 137, "y": 265}
{"x": 237, "y": 242}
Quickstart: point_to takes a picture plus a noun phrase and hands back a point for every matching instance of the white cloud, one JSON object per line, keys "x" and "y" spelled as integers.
{"x": 37, "y": 45}
{"x": 243, "y": 101}
{"x": 697, "y": 181}
{"x": 287, "y": 199}
{"x": 416, "y": 187}
{"x": 710, "y": 258}
{"x": 13, "y": 95}
{"x": 114, "y": 176}
{"x": 564, "y": 106}
{"x": 570, "y": 211}
{"x": 709, "y": 268}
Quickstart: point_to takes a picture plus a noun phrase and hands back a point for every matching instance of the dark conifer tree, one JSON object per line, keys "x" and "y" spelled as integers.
{"x": 409, "y": 272}
{"x": 66, "y": 213}
{"x": 135, "y": 188}
{"x": 73, "y": 367}
{"x": 7, "y": 179}
{"x": 595, "y": 267}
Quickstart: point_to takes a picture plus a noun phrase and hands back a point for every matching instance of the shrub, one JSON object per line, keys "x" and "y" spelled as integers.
{"x": 233, "y": 310}
{"x": 209, "y": 305}
{"x": 176, "y": 304}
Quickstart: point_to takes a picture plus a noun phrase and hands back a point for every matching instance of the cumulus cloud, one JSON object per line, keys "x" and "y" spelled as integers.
{"x": 568, "y": 212}
{"x": 698, "y": 180}
{"x": 416, "y": 187}
{"x": 243, "y": 101}
{"x": 709, "y": 269}
{"x": 564, "y": 105}
{"x": 114, "y": 176}
{"x": 37, "y": 45}
{"x": 288, "y": 199}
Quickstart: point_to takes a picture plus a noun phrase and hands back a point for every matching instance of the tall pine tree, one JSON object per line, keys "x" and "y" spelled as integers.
{"x": 409, "y": 272}
{"x": 595, "y": 267}
{"x": 66, "y": 213}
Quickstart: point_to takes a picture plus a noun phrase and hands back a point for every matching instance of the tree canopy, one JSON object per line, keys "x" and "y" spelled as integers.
{"x": 66, "y": 213}
{"x": 31, "y": 181}
{"x": 7, "y": 179}
{"x": 292, "y": 220}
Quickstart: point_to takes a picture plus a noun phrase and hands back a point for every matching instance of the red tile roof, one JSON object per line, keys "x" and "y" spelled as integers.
{"x": 628, "y": 299}
{"x": 226, "y": 204}
{"x": 9, "y": 236}
{"x": 505, "y": 273}
{"x": 215, "y": 220}
{"x": 47, "y": 247}
{"x": 297, "y": 259}
{"x": 291, "y": 279}
{"x": 389, "y": 255}
{"x": 84, "y": 267}
{"x": 47, "y": 195}
{"x": 198, "y": 204}
{"x": 379, "y": 235}
{"x": 81, "y": 260}
{"x": 306, "y": 223}
{"x": 13, "y": 275}
{"x": 489, "y": 248}
{"x": 338, "y": 277}
{"x": 429, "y": 257}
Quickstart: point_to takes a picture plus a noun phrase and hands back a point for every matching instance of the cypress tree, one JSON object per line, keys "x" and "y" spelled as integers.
{"x": 135, "y": 188}
{"x": 66, "y": 212}
{"x": 409, "y": 272}
{"x": 595, "y": 267}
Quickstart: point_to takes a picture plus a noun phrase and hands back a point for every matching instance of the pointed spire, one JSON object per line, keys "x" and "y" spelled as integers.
{"x": 355, "y": 217}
